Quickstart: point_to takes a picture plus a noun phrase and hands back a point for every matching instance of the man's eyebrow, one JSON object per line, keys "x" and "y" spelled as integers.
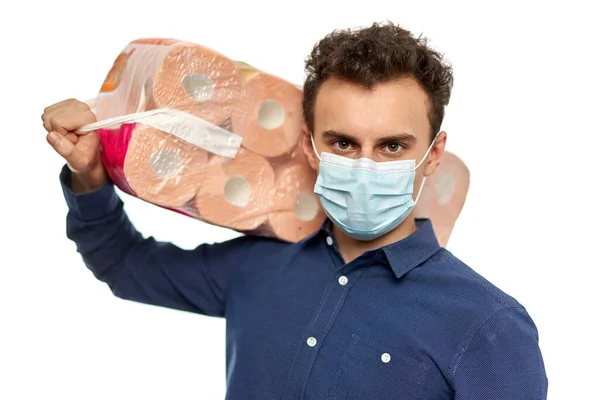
{"x": 405, "y": 138}
{"x": 333, "y": 134}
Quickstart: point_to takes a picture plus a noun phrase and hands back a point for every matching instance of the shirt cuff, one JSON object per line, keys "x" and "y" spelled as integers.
{"x": 94, "y": 205}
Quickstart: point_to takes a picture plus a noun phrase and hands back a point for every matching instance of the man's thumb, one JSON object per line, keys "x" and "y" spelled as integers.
{"x": 65, "y": 148}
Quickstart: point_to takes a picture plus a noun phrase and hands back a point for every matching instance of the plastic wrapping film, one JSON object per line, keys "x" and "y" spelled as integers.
{"x": 186, "y": 128}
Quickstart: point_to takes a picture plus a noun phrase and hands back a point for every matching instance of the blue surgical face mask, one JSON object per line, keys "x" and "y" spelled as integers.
{"x": 366, "y": 199}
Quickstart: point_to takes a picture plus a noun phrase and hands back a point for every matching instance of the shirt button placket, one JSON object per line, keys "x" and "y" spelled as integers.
{"x": 320, "y": 327}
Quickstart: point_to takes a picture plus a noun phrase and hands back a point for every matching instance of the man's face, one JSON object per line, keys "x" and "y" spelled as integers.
{"x": 387, "y": 123}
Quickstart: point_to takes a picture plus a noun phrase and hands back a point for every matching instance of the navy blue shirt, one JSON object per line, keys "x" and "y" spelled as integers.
{"x": 407, "y": 321}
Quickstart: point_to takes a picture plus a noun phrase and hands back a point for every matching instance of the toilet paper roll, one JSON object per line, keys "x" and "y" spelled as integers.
{"x": 444, "y": 195}
{"x": 294, "y": 191}
{"x": 286, "y": 226}
{"x": 237, "y": 193}
{"x": 267, "y": 113}
{"x": 163, "y": 169}
{"x": 198, "y": 80}
{"x": 297, "y": 210}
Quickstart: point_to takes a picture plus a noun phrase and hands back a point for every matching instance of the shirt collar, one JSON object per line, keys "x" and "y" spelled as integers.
{"x": 413, "y": 250}
{"x": 406, "y": 254}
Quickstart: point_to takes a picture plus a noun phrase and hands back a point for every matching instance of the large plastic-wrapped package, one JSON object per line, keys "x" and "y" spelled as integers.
{"x": 188, "y": 129}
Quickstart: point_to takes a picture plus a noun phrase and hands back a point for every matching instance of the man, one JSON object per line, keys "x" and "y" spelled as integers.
{"x": 370, "y": 306}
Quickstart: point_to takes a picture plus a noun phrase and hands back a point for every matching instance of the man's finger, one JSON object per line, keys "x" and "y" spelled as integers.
{"x": 47, "y": 118}
{"x": 65, "y": 121}
{"x": 71, "y": 137}
{"x": 58, "y": 105}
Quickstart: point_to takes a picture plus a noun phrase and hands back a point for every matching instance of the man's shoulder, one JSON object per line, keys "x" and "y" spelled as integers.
{"x": 461, "y": 284}
{"x": 254, "y": 244}
{"x": 252, "y": 250}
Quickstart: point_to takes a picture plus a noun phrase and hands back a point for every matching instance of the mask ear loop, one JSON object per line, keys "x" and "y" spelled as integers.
{"x": 312, "y": 140}
{"x": 420, "y": 189}
{"x": 421, "y": 162}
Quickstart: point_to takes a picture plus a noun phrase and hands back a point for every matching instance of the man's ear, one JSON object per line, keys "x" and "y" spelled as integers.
{"x": 308, "y": 149}
{"x": 436, "y": 154}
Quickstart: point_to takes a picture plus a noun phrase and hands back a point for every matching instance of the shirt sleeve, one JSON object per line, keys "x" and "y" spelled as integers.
{"x": 502, "y": 361}
{"x": 143, "y": 269}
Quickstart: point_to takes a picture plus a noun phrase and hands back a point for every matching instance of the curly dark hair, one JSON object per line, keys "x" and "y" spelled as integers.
{"x": 374, "y": 55}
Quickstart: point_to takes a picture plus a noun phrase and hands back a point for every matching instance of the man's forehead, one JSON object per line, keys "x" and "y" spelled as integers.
{"x": 385, "y": 110}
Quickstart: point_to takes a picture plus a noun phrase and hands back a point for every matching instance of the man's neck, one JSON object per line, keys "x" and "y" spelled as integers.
{"x": 351, "y": 248}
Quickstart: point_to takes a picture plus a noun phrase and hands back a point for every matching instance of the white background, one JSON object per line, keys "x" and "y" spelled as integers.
{"x": 523, "y": 117}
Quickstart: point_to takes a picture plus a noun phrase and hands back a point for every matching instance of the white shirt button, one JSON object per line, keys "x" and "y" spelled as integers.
{"x": 386, "y": 358}
{"x": 311, "y": 341}
{"x": 343, "y": 280}
{"x": 329, "y": 240}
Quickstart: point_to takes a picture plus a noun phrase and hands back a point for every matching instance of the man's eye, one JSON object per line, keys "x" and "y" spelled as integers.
{"x": 343, "y": 145}
{"x": 394, "y": 147}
